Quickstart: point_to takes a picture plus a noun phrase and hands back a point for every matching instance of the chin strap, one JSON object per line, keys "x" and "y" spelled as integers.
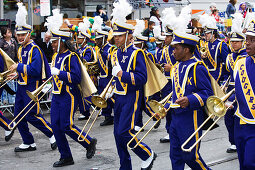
{"x": 83, "y": 42}
{"x": 24, "y": 39}
{"x": 126, "y": 42}
{"x": 58, "y": 44}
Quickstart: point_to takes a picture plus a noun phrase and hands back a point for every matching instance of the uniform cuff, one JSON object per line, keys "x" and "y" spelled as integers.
{"x": 195, "y": 100}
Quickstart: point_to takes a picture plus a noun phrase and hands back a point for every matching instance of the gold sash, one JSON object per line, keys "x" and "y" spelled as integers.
{"x": 246, "y": 85}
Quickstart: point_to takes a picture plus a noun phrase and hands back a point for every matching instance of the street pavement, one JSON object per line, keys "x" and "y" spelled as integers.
{"x": 213, "y": 150}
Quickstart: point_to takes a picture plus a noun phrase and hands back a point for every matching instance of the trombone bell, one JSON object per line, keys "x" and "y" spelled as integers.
{"x": 158, "y": 108}
{"x": 32, "y": 95}
{"x": 99, "y": 101}
{"x": 216, "y": 106}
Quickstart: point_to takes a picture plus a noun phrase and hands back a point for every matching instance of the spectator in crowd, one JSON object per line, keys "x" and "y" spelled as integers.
{"x": 46, "y": 46}
{"x": 151, "y": 44}
{"x": 231, "y": 9}
{"x": 155, "y": 17}
{"x": 9, "y": 44}
{"x": 219, "y": 22}
{"x": 100, "y": 12}
{"x": 242, "y": 9}
{"x": 212, "y": 7}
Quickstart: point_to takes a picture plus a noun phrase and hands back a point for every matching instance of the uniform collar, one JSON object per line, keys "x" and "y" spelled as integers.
{"x": 28, "y": 43}
{"x": 104, "y": 45}
{"x": 130, "y": 44}
{"x": 253, "y": 58}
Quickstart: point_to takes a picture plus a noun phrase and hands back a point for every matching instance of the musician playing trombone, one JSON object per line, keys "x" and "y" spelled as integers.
{"x": 245, "y": 114}
{"x": 66, "y": 73}
{"x": 191, "y": 87}
{"x": 237, "y": 43}
{"x": 31, "y": 69}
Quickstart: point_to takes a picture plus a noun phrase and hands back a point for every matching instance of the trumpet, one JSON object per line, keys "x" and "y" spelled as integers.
{"x": 158, "y": 108}
{"x": 34, "y": 98}
{"x": 101, "y": 102}
{"x": 217, "y": 109}
{"x": 203, "y": 51}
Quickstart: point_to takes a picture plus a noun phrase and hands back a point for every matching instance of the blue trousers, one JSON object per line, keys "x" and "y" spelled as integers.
{"x": 182, "y": 126}
{"x": 125, "y": 109}
{"x": 63, "y": 107}
{"x": 245, "y": 144}
{"x": 229, "y": 122}
{"x": 33, "y": 117}
{"x": 4, "y": 122}
{"x": 84, "y": 105}
{"x": 107, "y": 112}
{"x": 164, "y": 92}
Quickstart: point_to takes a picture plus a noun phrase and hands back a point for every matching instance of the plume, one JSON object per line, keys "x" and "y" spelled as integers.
{"x": 207, "y": 21}
{"x": 21, "y": 15}
{"x": 83, "y": 26}
{"x": 139, "y": 27}
{"x": 248, "y": 18}
{"x": 98, "y": 21}
{"x": 55, "y": 21}
{"x": 121, "y": 9}
{"x": 182, "y": 20}
{"x": 168, "y": 17}
{"x": 237, "y": 22}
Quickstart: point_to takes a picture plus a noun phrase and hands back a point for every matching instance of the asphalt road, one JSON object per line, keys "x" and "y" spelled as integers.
{"x": 213, "y": 150}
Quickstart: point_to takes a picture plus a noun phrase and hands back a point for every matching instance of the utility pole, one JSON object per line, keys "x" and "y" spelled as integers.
{"x": 1, "y": 9}
{"x": 30, "y": 12}
{"x": 85, "y": 8}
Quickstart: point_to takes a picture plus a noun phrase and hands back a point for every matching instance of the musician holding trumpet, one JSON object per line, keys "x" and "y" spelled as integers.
{"x": 190, "y": 91}
{"x": 32, "y": 69}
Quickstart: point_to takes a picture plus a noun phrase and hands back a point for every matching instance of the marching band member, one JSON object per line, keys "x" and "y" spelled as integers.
{"x": 129, "y": 69}
{"x": 30, "y": 74}
{"x": 216, "y": 50}
{"x": 191, "y": 87}
{"x": 244, "y": 91}
{"x": 66, "y": 72}
{"x": 105, "y": 49}
{"x": 237, "y": 39}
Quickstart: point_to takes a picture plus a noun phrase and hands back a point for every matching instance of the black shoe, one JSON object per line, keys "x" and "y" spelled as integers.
{"x": 63, "y": 162}
{"x": 83, "y": 117}
{"x": 157, "y": 125}
{"x": 151, "y": 164}
{"x": 53, "y": 146}
{"x": 230, "y": 150}
{"x": 8, "y": 137}
{"x": 30, "y": 148}
{"x": 91, "y": 149}
{"x": 107, "y": 121}
{"x": 164, "y": 140}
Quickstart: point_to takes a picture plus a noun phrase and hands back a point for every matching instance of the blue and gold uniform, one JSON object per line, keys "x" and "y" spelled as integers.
{"x": 245, "y": 114}
{"x": 64, "y": 101}
{"x": 231, "y": 60}
{"x": 186, "y": 82}
{"x": 128, "y": 102}
{"x": 104, "y": 57}
{"x": 30, "y": 70}
{"x": 217, "y": 52}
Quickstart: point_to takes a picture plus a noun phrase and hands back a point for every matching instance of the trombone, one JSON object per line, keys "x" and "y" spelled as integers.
{"x": 217, "y": 109}
{"x": 101, "y": 102}
{"x": 34, "y": 96}
{"x": 5, "y": 80}
{"x": 158, "y": 108}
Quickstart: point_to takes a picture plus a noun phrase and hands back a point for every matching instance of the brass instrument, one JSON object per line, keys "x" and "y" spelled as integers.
{"x": 216, "y": 109}
{"x": 33, "y": 95}
{"x": 160, "y": 67}
{"x": 203, "y": 50}
{"x": 225, "y": 85}
{"x": 158, "y": 108}
{"x": 101, "y": 102}
{"x": 92, "y": 68}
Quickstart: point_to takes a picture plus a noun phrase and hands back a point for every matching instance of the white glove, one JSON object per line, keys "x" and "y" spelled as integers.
{"x": 55, "y": 71}
{"x": 46, "y": 88}
{"x": 67, "y": 22}
{"x": 110, "y": 92}
{"x": 116, "y": 69}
